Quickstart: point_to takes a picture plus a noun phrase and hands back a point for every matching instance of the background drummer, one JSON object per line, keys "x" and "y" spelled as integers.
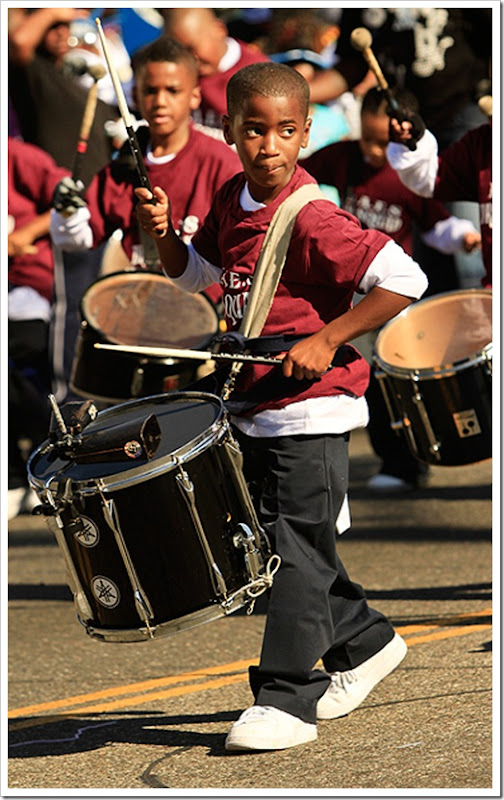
{"x": 371, "y": 190}
{"x": 462, "y": 171}
{"x": 192, "y": 164}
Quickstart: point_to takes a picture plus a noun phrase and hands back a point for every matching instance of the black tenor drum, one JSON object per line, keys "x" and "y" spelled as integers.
{"x": 138, "y": 308}
{"x": 151, "y": 511}
{"x": 434, "y": 365}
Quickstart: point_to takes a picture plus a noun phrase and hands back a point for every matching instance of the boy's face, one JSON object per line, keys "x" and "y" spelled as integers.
{"x": 268, "y": 133}
{"x": 374, "y": 138}
{"x": 165, "y": 94}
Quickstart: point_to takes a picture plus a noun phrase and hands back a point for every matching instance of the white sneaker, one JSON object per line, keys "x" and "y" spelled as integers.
{"x": 268, "y": 728}
{"x": 348, "y": 689}
{"x": 21, "y": 501}
{"x": 15, "y": 499}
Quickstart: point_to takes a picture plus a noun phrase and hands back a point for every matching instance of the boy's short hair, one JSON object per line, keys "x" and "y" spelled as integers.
{"x": 375, "y": 102}
{"x": 266, "y": 79}
{"x": 164, "y": 49}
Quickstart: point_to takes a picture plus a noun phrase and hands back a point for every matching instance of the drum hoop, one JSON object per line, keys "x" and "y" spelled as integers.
{"x": 170, "y": 627}
{"x": 431, "y": 299}
{"x": 132, "y": 477}
{"x": 442, "y": 371}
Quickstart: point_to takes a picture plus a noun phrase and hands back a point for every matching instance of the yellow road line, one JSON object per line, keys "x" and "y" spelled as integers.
{"x": 131, "y": 688}
{"x": 238, "y": 670}
{"x": 433, "y": 637}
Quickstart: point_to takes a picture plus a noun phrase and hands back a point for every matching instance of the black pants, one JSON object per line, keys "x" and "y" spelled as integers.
{"x": 28, "y": 390}
{"x": 315, "y": 611}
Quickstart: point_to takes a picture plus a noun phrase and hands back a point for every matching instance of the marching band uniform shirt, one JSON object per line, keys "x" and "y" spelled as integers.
{"x": 379, "y": 200}
{"x": 462, "y": 171}
{"x": 330, "y": 257}
{"x": 32, "y": 178}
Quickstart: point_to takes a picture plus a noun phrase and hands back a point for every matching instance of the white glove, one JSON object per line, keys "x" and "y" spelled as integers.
{"x": 71, "y": 233}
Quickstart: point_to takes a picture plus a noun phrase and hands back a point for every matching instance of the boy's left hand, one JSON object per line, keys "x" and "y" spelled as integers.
{"x": 308, "y": 359}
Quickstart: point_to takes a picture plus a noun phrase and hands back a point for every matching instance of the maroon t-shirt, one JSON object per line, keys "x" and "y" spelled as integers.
{"x": 375, "y": 196}
{"x": 329, "y": 253}
{"x": 191, "y": 180}
{"x": 32, "y": 178}
{"x": 465, "y": 173}
{"x": 213, "y": 87}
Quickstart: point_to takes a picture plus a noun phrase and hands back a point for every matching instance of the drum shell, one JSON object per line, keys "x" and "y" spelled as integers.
{"x": 157, "y": 529}
{"x": 114, "y": 377}
{"x": 443, "y": 398}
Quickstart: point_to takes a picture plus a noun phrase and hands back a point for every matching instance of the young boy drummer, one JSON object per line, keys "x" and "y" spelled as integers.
{"x": 295, "y": 439}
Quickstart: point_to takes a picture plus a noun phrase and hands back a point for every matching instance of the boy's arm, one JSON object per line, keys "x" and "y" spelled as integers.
{"x": 391, "y": 282}
{"x": 452, "y": 235}
{"x": 155, "y": 219}
{"x": 312, "y": 357}
{"x": 417, "y": 169}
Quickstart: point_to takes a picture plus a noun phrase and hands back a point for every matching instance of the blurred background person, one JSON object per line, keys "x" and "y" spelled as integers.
{"x": 441, "y": 55}
{"x": 371, "y": 190}
{"x": 32, "y": 178}
{"x": 218, "y": 55}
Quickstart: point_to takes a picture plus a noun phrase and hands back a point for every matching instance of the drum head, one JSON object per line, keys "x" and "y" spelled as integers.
{"x": 186, "y": 419}
{"x": 144, "y": 308}
{"x": 438, "y": 331}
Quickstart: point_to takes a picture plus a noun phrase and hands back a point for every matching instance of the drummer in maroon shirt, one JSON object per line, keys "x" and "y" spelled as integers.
{"x": 294, "y": 434}
{"x": 192, "y": 164}
{"x": 462, "y": 171}
{"x": 371, "y": 189}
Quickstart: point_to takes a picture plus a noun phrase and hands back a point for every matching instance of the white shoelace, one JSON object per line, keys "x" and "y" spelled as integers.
{"x": 254, "y": 713}
{"x": 342, "y": 680}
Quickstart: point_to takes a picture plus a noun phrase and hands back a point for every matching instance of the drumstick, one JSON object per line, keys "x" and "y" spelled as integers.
{"x": 182, "y": 353}
{"x": 125, "y": 115}
{"x": 361, "y": 40}
{"x": 96, "y": 71}
{"x": 485, "y": 104}
{"x": 198, "y": 355}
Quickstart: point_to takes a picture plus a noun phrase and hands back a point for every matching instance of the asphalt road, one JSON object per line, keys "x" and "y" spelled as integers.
{"x": 152, "y": 717}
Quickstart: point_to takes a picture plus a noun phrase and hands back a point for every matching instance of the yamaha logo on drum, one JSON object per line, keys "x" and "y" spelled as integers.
{"x": 106, "y": 591}
{"x": 88, "y": 534}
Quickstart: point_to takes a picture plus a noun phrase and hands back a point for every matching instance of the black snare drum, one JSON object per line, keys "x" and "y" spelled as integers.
{"x": 154, "y": 543}
{"x": 434, "y": 365}
{"x": 138, "y": 308}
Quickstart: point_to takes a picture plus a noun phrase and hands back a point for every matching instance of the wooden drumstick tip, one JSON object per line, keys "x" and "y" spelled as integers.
{"x": 361, "y": 38}
{"x": 485, "y": 104}
{"x": 97, "y": 71}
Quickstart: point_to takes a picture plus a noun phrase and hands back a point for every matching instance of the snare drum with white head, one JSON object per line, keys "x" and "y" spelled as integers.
{"x": 434, "y": 365}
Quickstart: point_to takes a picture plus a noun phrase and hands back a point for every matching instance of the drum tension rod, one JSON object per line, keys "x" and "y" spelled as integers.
{"x": 187, "y": 489}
